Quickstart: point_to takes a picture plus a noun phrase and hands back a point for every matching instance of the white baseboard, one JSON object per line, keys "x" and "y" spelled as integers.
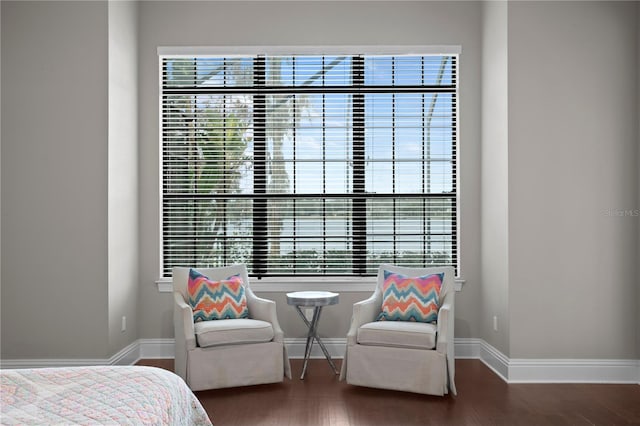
{"x": 156, "y": 349}
{"x": 470, "y": 348}
{"x": 51, "y": 363}
{"x": 142, "y": 348}
{"x": 574, "y": 371}
{"x": 467, "y": 348}
{"x": 549, "y": 370}
{"x": 494, "y": 359}
{"x": 127, "y": 356}
{"x": 510, "y": 370}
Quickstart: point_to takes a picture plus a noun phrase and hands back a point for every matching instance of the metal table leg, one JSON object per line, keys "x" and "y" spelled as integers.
{"x": 311, "y": 335}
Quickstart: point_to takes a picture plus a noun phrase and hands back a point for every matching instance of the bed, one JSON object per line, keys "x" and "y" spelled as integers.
{"x": 98, "y": 395}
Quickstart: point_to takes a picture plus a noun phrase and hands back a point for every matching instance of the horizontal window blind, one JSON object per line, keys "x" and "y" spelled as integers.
{"x": 309, "y": 165}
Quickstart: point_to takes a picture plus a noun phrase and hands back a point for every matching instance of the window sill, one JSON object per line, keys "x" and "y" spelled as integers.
{"x": 286, "y": 284}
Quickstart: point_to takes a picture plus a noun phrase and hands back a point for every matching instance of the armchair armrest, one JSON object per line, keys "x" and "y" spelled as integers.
{"x": 185, "y": 338}
{"x": 445, "y": 323}
{"x": 363, "y": 312}
{"x": 264, "y": 310}
{"x": 183, "y": 322}
{"x": 443, "y": 327}
{"x": 445, "y": 337}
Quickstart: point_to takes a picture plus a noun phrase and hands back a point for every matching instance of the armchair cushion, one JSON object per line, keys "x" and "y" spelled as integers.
{"x": 398, "y": 334}
{"x": 410, "y": 298}
{"x": 232, "y": 331}
{"x": 215, "y": 300}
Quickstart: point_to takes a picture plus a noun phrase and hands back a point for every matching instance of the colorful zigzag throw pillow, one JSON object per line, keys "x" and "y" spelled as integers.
{"x": 410, "y": 298}
{"x": 215, "y": 300}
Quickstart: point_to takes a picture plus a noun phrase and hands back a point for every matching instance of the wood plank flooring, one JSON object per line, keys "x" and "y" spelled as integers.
{"x": 483, "y": 399}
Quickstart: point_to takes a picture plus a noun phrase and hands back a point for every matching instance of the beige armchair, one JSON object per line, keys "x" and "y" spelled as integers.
{"x": 228, "y": 352}
{"x": 409, "y": 356}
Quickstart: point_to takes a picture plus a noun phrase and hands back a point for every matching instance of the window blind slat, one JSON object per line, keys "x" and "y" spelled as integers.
{"x": 308, "y": 164}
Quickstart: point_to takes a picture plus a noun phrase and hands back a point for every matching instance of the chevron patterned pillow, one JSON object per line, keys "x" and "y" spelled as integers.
{"x": 410, "y": 298}
{"x": 214, "y": 300}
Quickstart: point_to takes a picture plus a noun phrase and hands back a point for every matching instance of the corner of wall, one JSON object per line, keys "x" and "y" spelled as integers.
{"x": 637, "y": 181}
{"x": 0, "y": 144}
{"x": 494, "y": 176}
{"x": 568, "y": 228}
{"x": 123, "y": 199}
{"x": 54, "y": 216}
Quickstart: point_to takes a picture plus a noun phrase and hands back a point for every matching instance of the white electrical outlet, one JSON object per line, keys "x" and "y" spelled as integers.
{"x": 495, "y": 323}
{"x": 124, "y": 324}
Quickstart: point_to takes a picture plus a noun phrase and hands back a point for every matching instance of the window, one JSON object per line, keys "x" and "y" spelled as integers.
{"x": 309, "y": 164}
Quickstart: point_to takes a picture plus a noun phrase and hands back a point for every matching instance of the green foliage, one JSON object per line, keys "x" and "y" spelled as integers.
{"x": 209, "y": 139}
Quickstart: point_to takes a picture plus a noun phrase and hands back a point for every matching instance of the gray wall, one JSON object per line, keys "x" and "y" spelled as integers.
{"x": 638, "y": 169}
{"x": 123, "y": 173}
{"x": 550, "y": 101}
{"x": 572, "y": 157}
{"x": 0, "y": 157}
{"x": 54, "y": 179}
{"x": 351, "y": 23}
{"x": 69, "y": 179}
{"x": 495, "y": 178}
{"x": 559, "y": 155}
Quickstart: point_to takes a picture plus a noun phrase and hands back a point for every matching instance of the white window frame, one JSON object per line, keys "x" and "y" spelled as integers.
{"x": 285, "y": 284}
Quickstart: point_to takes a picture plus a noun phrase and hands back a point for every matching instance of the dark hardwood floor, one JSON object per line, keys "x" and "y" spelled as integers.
{"x": 483, "y": 399}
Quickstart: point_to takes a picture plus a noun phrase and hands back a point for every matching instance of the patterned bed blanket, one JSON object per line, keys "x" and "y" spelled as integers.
{"x": 118, "y": 395}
